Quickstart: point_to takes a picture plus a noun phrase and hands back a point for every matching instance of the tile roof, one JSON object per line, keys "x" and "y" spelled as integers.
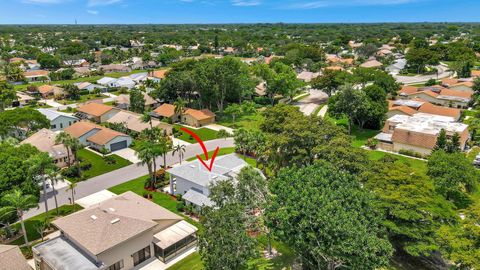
{"x": 35, "y": 73}
{"x": 114, "y": 221}
{"x": 95, "y": 109}
{"x": 12, "y": 258}
{"x": 44, "y": 140}
{"x": 125, "y": 99}
{"x": 165, "y": 110}
{"x": 80, "y": 128}
{"x": 200, "y": 114}
{"x": 371, "y": 64}
{"x": 105, "y": 135}
{"x": 160, "y": 74}
{"x": 133, "y": 121}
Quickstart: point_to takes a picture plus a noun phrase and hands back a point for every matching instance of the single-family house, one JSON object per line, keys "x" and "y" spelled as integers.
{"x": 307, "y": 76}
{"x": 90, "y": 86}
{"x": 166, "y": 111}
{"x": 98, "y": 137}
{"x": 397, "y": 66}
{"x": 96, "y": 112}
{"x": 22, "y": 100}
{"x": 58, "y": 120}
{"x": 44, "y": 141}
{"x": 115, "y": 68}
{"x": 192, "y": 180}
{"x": 465, "y": 85}
{"x": 437, "y": 95}
{"x": 12, "y": 258}
{"x": 124, "y": 232}
{"x": 411, "y": 107}
{"x": 419, "y": 133}
{"x": 373, "y": 63}
{"x": 82, "y": 71}
{"x": 126, "y": 82}
{"x": 157, "y": 75}
{"x": 107, "y": 81}
{"x": 76, "y": 63}
{"x": 123, "y": 101}
{"x": 36, "y": 75}
{"x": 139, "y": 77}
{"x": 133, "y": 122}
{"x": 198, "y": 118}
{"x": 47, "y": 91}
{"x": 191, "y": 117}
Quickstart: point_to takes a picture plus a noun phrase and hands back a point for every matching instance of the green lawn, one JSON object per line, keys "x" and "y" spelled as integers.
{"x": 83, "y": 98}
{"x": 317, "y": 110}
{"x": 32, "y": 223}
{"x": 192, "y": 261}
{"x": 250, "y": 121}
{"x": 99, "y": 166}
{"x": 301, "y": 96}
{"x": 283, "y": 261}
{"x": 205, "y": 134}
{"x": 415, "y": 164}
{"x": 360, "y": 136}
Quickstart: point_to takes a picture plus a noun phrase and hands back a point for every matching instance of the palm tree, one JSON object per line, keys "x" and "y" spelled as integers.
{"x": 147, "y": 118}
{"x": 180, "y": 149}
{"x": 65, "y": 139}
{"x": 165, "y": 145}
{"x": 75, "y": 146}
{"x": 39, "y": 165}
{"x": 146, "y": 155}
{"x": 180, "y": 105}
{"x": 71, "y": 188}
{"x": 17, "y": 202}
{"x": 54, "y": 177}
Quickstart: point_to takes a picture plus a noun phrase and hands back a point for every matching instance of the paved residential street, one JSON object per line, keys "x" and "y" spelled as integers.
{"x": 442, "y": 73}
{"x": 311, "y": 102}
{"x": 121, "y": 175}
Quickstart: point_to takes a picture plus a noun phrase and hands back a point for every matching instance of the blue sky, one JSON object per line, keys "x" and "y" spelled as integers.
{"x": 235, "y": 11}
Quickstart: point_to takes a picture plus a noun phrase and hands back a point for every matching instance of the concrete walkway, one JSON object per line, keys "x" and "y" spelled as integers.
{"x": 122, "y": 175}
{"x": 128, "y": 154}
{"x": 218, "y": 127}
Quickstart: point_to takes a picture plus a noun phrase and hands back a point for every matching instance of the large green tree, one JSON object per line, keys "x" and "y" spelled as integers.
{"x": 7, "y": 95}
{"x": 20, "y": 122}
{"x": 137, "y": 101}
{"x": 326, "y": 217}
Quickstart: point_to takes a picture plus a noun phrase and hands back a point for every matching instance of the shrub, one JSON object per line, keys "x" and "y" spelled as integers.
{"x": 71, "y": 172}
{"x": 110, "y": 160}
{"x": 180, "y": 206}
{"x": 261, "y": 100}
{"x": 411, "y": 153}
{"x": 86, "y": 165}
{"x": 372, "y": 143}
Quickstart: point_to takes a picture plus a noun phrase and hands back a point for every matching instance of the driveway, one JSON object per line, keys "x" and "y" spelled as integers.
{"x": 128, "y": 154}
{"x": 218, "y": 127}
{"x": 442, "y": 73}
{"x": 310, "y": 103}
{"x": 122, "y": 175}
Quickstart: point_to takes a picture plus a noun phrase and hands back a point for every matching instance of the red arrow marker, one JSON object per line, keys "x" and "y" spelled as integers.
{"x": 205, "y": 152}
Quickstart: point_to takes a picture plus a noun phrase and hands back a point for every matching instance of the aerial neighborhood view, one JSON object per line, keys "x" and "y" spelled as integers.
{"x": 239, "y": 134}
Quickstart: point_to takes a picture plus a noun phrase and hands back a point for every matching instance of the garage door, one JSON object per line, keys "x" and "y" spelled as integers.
{"x": 118, "y": 146}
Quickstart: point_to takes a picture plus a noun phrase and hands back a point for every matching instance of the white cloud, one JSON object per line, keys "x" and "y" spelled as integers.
{"x": 93, "y": 12}
{"x": 93, "y": 3}
{"x": 329, "y": 3}
{"x": 246, "y": 3}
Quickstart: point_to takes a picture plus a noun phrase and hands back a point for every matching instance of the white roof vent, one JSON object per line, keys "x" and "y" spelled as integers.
{"x": 111, "y": 209}
{"x": 192, "y": 166}
{"x": 214, "y": 177}
{"x": 115, "y": 221}
{"x": 93, "y": 217}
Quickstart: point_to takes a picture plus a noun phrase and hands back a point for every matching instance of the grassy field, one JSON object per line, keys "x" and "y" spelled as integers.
{"x": 250, "y": 122}
{"x": 32, "y": 223}
{"x": 205, "y": 134}
{"x": 415, "y": 164}
{"x": 192, "y": 261}
{"x": 99, "y": 166}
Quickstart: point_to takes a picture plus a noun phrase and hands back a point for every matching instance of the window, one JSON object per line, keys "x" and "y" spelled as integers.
{"x": 197, "y": 190}
{"x": 61, "y": 125}
{"x": 116, "y": 266}
{"x": 53, "y": 126}
{"x": 141, "y": 256}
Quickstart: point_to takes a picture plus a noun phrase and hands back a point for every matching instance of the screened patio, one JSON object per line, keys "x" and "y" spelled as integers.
{"x": 174, "y": 240}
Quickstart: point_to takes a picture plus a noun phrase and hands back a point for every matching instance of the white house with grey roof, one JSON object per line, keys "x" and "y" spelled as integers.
{"x": 58, "y": 120}
{"x": 192, "y": 180}
{"x": 123, "y": 232}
